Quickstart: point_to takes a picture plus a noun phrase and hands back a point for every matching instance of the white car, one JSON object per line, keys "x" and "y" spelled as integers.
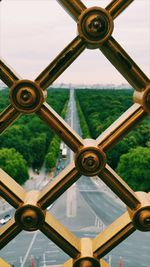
{"x": 5, "y": 219}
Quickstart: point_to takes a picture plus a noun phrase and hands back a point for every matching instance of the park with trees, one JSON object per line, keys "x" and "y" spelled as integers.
{"x": 29, "y": 142}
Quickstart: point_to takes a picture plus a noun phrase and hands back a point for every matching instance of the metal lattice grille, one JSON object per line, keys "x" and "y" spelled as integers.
{"x": 95, "y": 27}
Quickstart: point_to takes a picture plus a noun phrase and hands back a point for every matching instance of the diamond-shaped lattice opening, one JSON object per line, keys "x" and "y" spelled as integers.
{"x": 95, "y": 28}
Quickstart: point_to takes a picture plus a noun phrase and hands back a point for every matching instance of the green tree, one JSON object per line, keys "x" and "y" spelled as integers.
{"x": 134, "y": 167}
{"x": 122, "y": 147}
{"x": 29, "y": 135}
{"x": 83, "y": 123}
{"x": 50, "y": 161}
{"x": 38, "y": 150}
{"x": 13, "y": 163}
{"x": 17, "y": 136}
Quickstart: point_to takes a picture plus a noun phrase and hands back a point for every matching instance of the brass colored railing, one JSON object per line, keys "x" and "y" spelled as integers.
{"x": 95, "y": 26}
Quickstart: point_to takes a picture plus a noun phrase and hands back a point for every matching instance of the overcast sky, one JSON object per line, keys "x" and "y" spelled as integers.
{"x": 33, "y": 32}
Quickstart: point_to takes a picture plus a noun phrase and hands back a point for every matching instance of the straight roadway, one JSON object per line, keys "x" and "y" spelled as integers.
{"x": 94, "y": 207}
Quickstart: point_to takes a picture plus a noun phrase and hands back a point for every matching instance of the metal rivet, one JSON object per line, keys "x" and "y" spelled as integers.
{"x": 25, "y": 95}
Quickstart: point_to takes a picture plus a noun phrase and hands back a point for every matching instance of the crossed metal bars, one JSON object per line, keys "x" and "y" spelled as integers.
{"x": 95, "y": 27}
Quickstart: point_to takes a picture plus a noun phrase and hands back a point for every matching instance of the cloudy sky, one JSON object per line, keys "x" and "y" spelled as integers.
{"x": 33, "y": 32}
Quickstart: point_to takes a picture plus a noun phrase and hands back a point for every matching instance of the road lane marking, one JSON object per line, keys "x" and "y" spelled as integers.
{"x": 40, "y": 240}
{"x": 52, "y": 251}
{"x": 21, "y": 260}
{"x": 37, "y": 248}
{"x": 29, "y": 249}
{"x": 44, "y": 260}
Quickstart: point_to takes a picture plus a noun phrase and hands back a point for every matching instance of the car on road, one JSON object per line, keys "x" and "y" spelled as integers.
{"x": 64, "y": 153}
{"x": 5, "y": 219}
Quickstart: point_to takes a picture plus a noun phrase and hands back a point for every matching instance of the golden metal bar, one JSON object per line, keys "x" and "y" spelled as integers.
{"x": 68, "y": 263}
{"x": 143, "y": 98}
{"x": 60, "y": 63}
{"x": 125, "y": 123}
{"x": 58, "y": 186}
{"x": 7, "y": 75}
{"x": 3, "y": 263}
{"x": 7, "y": 117}
{"x": 11, "y": 191}
{"x": 119, "y": 187}
{"x": 31, "y": 197}
{"x": 144, "y": 198}
{"x": 86, "y": 258}
{"x": 117, "y": 6}
{"x": 73, "y": 7}
{"x": 86, "y": 247}
{"x": 124, "y": 64}
{"x": 104, "y": 263}
{"x": 8, "y": 232}
{"x": 114, "y": 234}
{"x": 67, "y": 241}
{"x": 61, "y": 128}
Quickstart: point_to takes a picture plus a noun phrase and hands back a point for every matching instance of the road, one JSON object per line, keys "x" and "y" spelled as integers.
{"x": 94, "y": 207}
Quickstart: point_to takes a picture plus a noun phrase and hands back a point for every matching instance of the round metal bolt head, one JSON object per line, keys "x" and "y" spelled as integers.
{"x": 142, "y": 219}
{"x": 86, "y": 263}
{"x": 95, "y": 26}
{"x": 28, "y": 220}
{"x": 29, "y": 217}
{"x": 26, "y": 96}
{"x": 147, "y": 221}
{"x": 148, "y": 100}
{"x": 89, "y": 161}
